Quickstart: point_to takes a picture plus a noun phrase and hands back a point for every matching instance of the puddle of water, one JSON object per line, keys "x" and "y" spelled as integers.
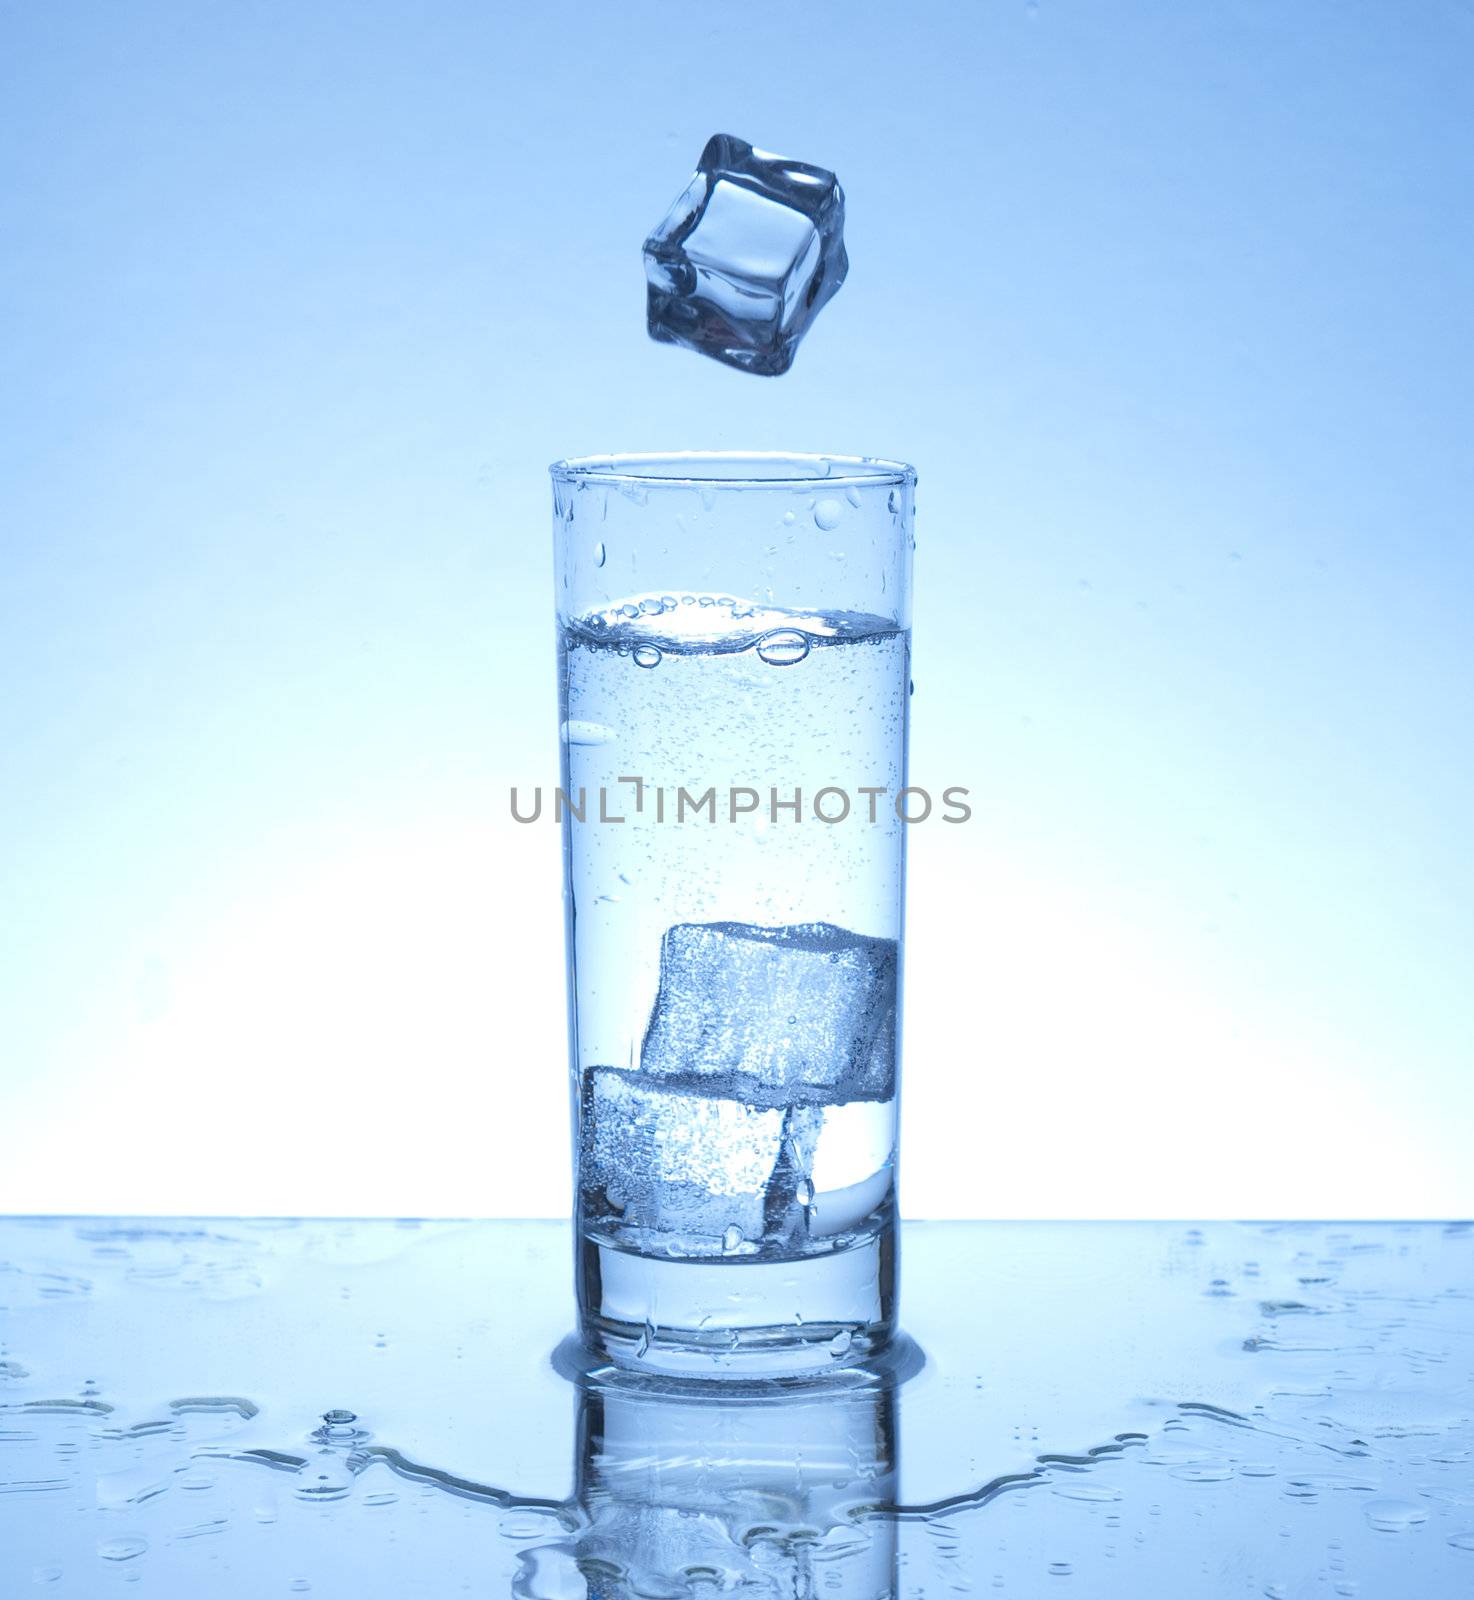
{"x": 353, "y": 1452}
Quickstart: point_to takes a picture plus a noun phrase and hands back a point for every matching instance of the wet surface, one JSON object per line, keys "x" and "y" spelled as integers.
{"x": 243, "y": 1408}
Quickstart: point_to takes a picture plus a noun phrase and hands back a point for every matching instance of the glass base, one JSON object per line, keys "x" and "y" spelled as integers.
{"x": 739, "y": 1319}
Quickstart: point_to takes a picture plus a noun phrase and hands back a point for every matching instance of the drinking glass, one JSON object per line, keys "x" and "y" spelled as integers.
{"x": 734, "y": 673}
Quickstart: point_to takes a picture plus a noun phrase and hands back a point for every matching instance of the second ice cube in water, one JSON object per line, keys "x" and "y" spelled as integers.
{"x": 797, "y": 1015}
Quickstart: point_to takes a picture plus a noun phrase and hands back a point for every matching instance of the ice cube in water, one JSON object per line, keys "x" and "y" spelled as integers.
{"x": 747, "y": 257}
{"x": 796, "y": 1015}
{"x": 686, "y": 1163}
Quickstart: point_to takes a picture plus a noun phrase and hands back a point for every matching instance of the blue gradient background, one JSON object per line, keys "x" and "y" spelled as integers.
{"x": 1171, "y": 307}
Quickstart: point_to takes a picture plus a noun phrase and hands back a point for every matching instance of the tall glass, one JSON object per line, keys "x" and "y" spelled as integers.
{"x": 734, "y": 671}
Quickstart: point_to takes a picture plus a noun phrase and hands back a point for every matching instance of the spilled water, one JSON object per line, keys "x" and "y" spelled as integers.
{"x": 232, "y": 1408}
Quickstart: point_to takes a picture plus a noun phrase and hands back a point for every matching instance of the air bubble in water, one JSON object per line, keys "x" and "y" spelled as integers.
{"x": 601, "y": 555}
{"x": 783, "y": 647}
{"x": 650, "y": 605}
{"x": 732, "y": 1238}
{"x": 852, "y": 494}
{"x": 586, "y": 733}
{"x": 827, "y": 514}
{"x": 647, "y": 655}
{"x": 788, "y": 519}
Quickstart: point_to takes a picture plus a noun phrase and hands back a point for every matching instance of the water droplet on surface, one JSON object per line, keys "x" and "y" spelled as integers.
{"x": 789, "y": 519}
{"x": 783, "y": 647}
{"x": 647, "y": 655}
{"x": 601, "y": 555}
{"x": 122, "y": 1549}
{"x": 1391, "y": 1515}
{"x": 840, "y": 1344}
{"x": 732, "y": 1238}
{"x": 1203, "y": 1472}
{"x": 827, "y": 514}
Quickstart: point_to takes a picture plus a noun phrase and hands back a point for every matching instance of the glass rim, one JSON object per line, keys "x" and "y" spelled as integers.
{"x": 723, "y": 469}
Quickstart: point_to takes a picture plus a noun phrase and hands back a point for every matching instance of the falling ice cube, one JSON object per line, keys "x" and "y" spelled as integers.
{"x": 796, "y": 1015}
{"x": 747, "y": 257}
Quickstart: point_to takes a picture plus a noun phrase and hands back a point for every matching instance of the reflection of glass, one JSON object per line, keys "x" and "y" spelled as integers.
{"x": 700, "y": 1491}
{"x": 734, "y": 663}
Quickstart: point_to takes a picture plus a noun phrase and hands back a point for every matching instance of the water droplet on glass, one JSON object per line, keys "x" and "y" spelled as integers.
{"x": 647, "y": 655}
{"x": 732, "y": 1238}
{"x": 827, "y": 514}
{"x": 601, "y": 555}
{"x": 783, "y": 647}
